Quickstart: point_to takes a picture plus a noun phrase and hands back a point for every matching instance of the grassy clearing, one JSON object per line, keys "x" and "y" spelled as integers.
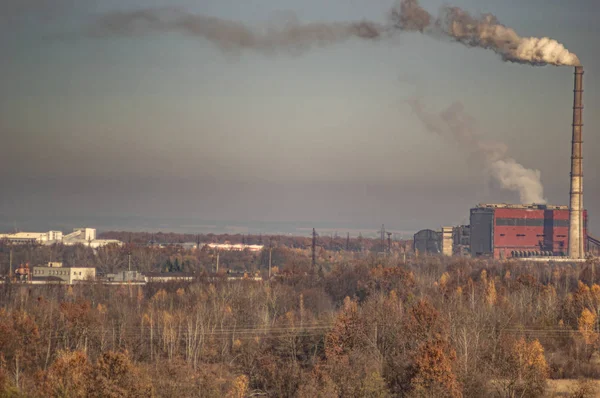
{"x": 573, "y": 388}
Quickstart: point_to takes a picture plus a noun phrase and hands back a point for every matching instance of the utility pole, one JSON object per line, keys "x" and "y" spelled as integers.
{"x": 270, "y": 251}
{"x": 382, "y": 238}
{"x": 217, "y": 260}
{"x": 348, "y": 242}
{"x": 389, "y": 234}
{"x": 314, "y": 246}
{"x": 129, "y": 254}
{"x": 10, "y": 263}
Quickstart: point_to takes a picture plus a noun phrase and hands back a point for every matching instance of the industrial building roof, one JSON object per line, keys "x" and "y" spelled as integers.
{"x": 520, "y": 206}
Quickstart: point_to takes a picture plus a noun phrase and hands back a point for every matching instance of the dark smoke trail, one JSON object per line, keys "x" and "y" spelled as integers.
{"x": 231, "y": 35}
{"x": 457, "y": 126}
{"x": 483, "y": 32}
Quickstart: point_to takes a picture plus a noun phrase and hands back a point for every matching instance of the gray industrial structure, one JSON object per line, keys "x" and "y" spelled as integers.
{"x": 576, "y": 236}
{"x": 448, "y": 241}
{"x": 462, "y": 240}
{"x": 427, "y": 241}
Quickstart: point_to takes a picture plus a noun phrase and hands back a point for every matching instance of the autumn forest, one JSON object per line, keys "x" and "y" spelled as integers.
{"x": 359, "y": 324}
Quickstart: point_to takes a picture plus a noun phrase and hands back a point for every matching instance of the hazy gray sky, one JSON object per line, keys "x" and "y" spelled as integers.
{"x": 170, "y": 125}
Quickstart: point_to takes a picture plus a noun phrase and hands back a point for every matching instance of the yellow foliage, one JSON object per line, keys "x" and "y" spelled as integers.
{"x": 484, "y": 276}
{"x": 101, "y": 308}
{"x": 582, "y": 288}
{"x": 596, "y": 293}
{"x": 490, "y": 293}
{"x": 239, "y": 388}
{"x": 586, "y": 324}
{"x": 161, "y": 295}
{"x": 180, "y": 292}
{"x": 237, "y": 343}
{"x": 444, "y": 280}
{"x": 373, "y": 386}
{"x": 530, "y": 360}
{"x": 146, "y": 319}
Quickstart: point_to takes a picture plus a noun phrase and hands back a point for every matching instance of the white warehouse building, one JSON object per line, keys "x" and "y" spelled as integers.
{"x": 56, "y": 271}
{"x": 84, "y": 236}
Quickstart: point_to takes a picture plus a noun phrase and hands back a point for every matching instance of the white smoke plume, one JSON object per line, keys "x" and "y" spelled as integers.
{"x": 483, "y": 32}
{"x": 455, "y": 125}
{"x": 288, "y": 34}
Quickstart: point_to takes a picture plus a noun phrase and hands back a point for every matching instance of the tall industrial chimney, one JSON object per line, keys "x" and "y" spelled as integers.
{"x": 576, "y": 238}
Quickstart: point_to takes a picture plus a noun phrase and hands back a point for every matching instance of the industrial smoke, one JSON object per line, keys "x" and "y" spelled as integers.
{"x": 484, "y": 31}
{"x": 455, "y": 125}
{"x": 286, "y": 34}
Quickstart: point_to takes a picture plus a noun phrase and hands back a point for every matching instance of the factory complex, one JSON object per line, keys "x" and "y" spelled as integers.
{"x": 503, "y": 231}
{"x": 524, "y": 231}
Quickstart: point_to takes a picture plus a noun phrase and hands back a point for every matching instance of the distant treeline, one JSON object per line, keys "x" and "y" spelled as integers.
{"x": 292, "y": 252}
{"x": 329, "y": 242}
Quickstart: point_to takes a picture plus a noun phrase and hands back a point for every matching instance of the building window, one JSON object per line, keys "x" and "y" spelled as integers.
{"x": 520, "y": 222}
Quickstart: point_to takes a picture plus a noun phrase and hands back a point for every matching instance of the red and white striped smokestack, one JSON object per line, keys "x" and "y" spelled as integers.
{"x": 576, "y": 238}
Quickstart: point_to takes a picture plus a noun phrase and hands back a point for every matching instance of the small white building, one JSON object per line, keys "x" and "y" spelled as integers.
{"x": 234, "y": 247}
{"x": 69, "y": 275}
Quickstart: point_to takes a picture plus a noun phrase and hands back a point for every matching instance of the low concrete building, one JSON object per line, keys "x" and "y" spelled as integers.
{"x": 126, "y": 276}
{"x": 169, "y": 276}
{"x": 68, "y": 275}
{"x": 234, "y": 247}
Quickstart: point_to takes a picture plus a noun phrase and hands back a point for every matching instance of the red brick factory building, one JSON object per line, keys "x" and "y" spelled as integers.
{"x": 505, "y": 231}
